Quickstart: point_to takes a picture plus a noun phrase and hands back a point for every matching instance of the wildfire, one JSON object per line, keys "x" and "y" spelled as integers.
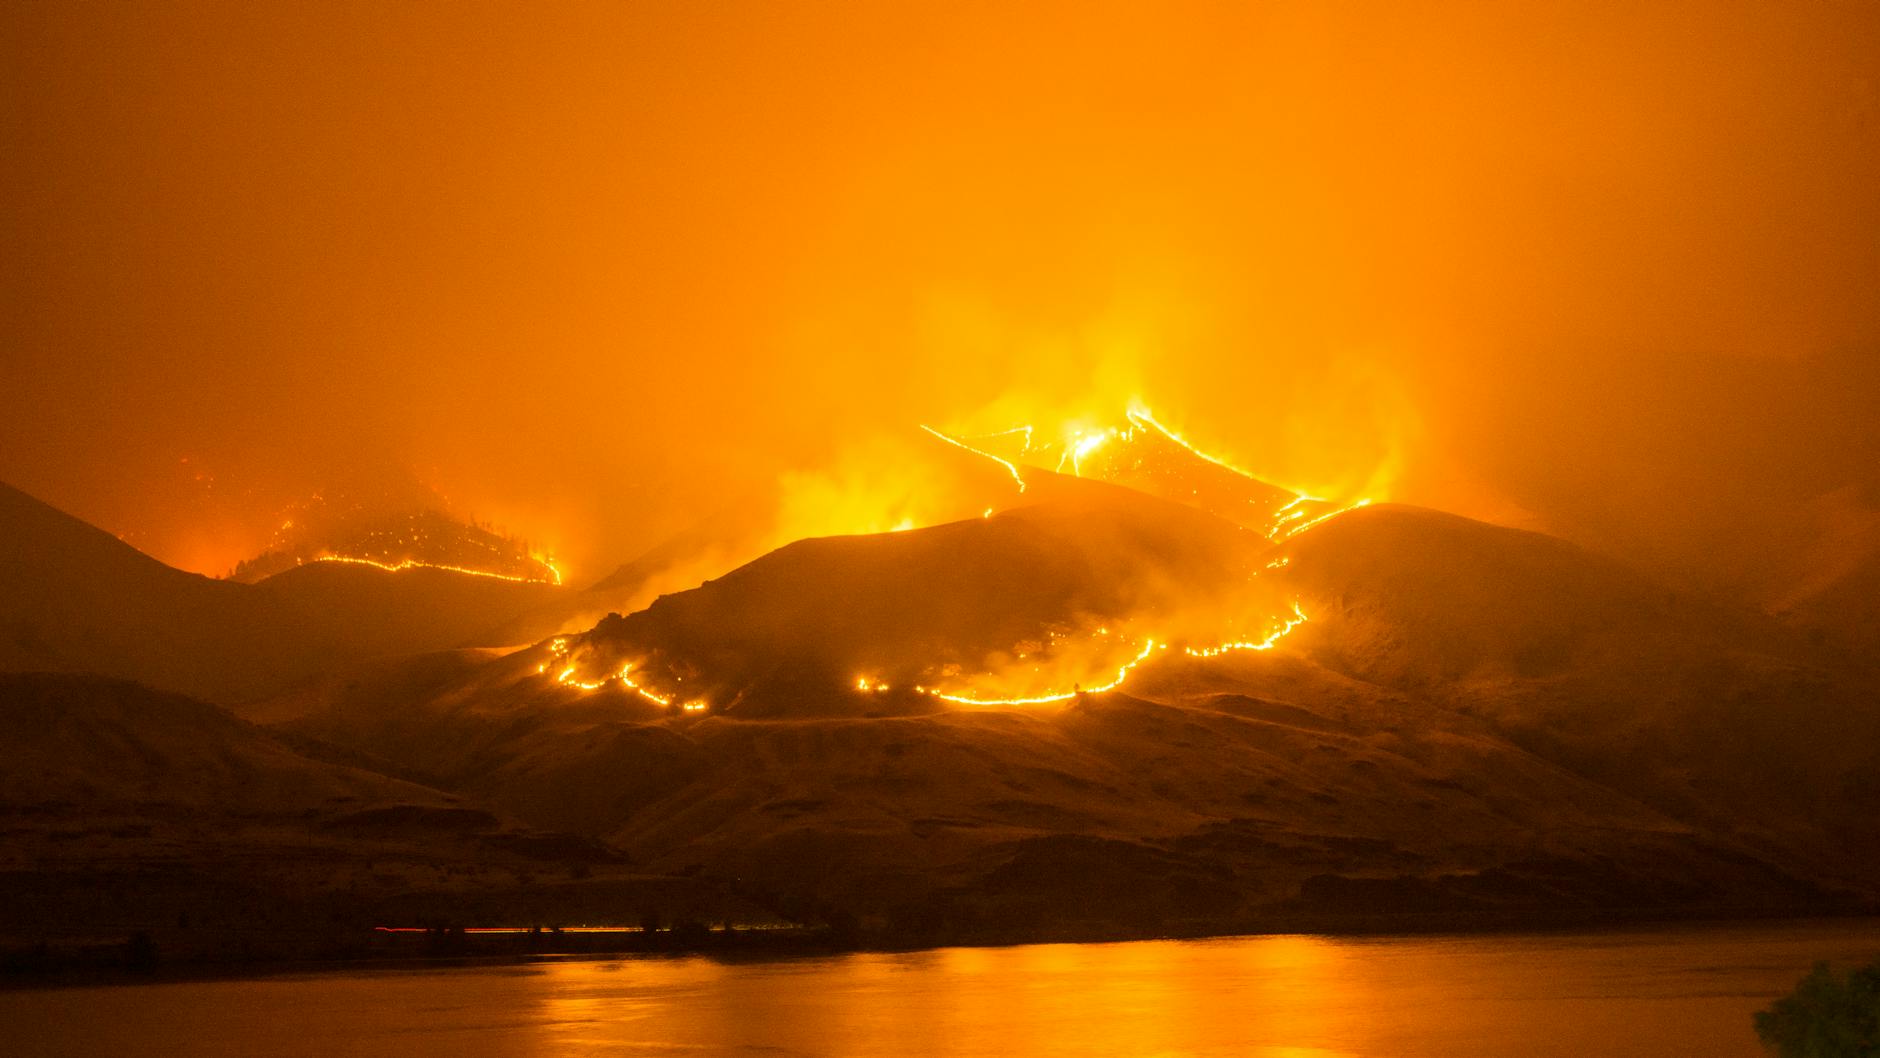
{"x": 558, "y": 647}
{"x": 1150, "y": 647}
{"x": 873, "y": 685}
{"x": 1301, "y": 527}
{"x": 1080, "y": 444}
{"x": 553, "y": 576}
{"x": 1010, "y": 467}
{"x": 1298, "y": 618}
{"x": 1140, "y": 415}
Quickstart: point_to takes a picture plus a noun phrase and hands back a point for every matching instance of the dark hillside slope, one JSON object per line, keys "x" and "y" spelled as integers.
{"x": 966, "y": 597}
{"x": 73, "y": 598}
{"x": 1723, "y": 713}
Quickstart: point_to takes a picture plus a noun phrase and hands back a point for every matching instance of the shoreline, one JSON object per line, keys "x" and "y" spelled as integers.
{"x": 765, "y": 945}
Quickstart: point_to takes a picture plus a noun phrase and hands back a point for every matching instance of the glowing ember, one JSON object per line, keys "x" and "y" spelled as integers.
{"x": 1298, "y": 618}
{"x": 1109, "y": 454}
{"x": 553, "y": 574}
{"x": 1150, "y": 648}
{"x": 1010, "y": 467}
{"x": 1122, "y": 674}
{"x": 1303, "y": 526}
{"x": 566, "y": 677}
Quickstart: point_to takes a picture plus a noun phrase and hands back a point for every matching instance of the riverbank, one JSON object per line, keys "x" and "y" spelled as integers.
{"x": 1623, "y": 992}
{"x": 140, "y": 958}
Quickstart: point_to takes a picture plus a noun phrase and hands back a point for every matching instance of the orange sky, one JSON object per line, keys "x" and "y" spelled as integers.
{"x": 576, "y": 266}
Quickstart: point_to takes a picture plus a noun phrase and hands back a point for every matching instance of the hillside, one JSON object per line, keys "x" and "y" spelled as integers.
{"x": 1473, "y": 722}
{"x": 1469, "y": 724}
{"x": 1069, "y": 586}
{"x": 1721, "y": 713}
{"x": 73, "y": 598}
{"x": 131, "y": 809}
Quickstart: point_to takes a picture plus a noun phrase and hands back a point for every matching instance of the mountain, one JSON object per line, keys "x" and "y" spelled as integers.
{"x": 73, "y": 598}
{"x": 1094, "y": 712}
{"x": 365, "y": 611}
{"x": 1721, "y": 713}
{"x": 1471, "y": 724}
{"x": 388, "y": 531}
{"x": 1007, "y": 591}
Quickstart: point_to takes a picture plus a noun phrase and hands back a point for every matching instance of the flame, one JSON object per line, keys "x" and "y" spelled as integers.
{"x": 553, "y": 577}
{"x": 558, "y": 647}
{"x": 1328, "y": 516}
{"x": 1010, "y": 467}
{"x": 1150, "y": 648}
{"x": 873, "y": 685}
{"x": 1081, "y": 443}
{"x": 1298, "y": 618}
{"x": 1139, "y": 414}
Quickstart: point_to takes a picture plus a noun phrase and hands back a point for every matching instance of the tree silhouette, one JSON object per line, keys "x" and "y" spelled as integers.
{"x": 1827, "y": 1016}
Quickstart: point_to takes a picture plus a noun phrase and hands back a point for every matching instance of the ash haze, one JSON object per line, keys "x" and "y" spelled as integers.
{"x": 885, "y": 505}
{"x": 586, "y": 270}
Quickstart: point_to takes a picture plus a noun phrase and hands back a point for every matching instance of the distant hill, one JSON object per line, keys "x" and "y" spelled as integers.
{"x": 423, "y": 535}
{"x": 73, "y": 598}
{"x": 368, "y": 611}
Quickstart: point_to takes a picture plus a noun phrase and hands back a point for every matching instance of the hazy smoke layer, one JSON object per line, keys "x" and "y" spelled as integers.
{"x": 588, "y": 272}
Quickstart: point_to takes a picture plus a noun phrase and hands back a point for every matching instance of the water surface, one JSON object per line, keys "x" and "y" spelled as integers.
{"x": 1684, "y": 991}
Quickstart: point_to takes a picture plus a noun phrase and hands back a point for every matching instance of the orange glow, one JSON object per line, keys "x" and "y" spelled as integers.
{"x": 1298, "y": 618}
{"x": 559, "y": 648}
{"x": 1122, "y": 674}
{"x": 1301, "y": 527}
{"x": 1149, "y": 649}
{"x": 1141, "y": 415}
{"x": 553, "y": 575}
{"x": 1205, "y": 206}
{"x": 1017, "y": 478}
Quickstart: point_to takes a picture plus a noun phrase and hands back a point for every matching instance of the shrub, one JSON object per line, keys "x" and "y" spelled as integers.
{"x": 1827, "y": 1016}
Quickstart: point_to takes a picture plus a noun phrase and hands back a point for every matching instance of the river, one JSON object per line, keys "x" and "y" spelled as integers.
{"x": 1665, "y": 991}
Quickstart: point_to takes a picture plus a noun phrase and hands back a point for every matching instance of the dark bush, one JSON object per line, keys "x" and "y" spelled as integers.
{"x": 1827, "y": 1016}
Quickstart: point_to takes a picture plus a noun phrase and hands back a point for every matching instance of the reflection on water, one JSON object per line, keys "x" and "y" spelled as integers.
{"x": 1659, "y": 992}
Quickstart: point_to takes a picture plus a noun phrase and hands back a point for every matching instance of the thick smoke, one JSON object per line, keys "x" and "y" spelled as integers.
{"x": 588, "y": 273}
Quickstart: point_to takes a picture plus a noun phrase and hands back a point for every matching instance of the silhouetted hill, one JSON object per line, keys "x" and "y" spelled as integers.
{"x": 132, "y": 809}
{"x": 1725, "y": 713}
{"x": 81, "y": 740}
{"x": 76, "y": 599}
{"x": 1473, "y": 724}
{"x": 422, "y": 534}
{"x": 370, "y": 611}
